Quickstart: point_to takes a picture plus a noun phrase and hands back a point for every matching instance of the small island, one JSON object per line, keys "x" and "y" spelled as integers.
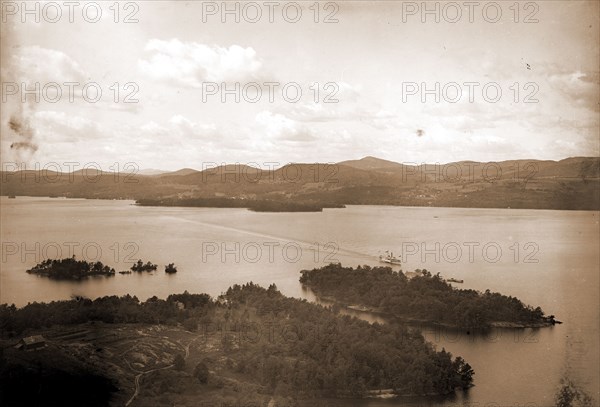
{"x": 170, "y": 268}
{"x": 70, "y": 269}
{"x": 425, "y": 298}
{"x": 141, "y": 267}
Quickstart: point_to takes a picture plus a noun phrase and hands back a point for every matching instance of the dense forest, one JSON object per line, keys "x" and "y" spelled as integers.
{"x": 425, "y": 297}
{"x": 344, "y": 356}
{"x": 70, "y": 269}
{"x": 139, "y": 266}
{"x": 110, "y": 309}
{"x": 290, "y": 206}
{"x": 317, "y": 352}
{"x": 195, "y": 202}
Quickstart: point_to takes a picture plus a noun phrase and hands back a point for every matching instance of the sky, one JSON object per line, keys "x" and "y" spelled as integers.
{"x": 315, "y": 82}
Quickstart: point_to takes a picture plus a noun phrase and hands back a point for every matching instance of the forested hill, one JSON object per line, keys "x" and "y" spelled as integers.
{"x": 572, "y": 183}
{"x": 288, "y": 347}
{"x": 425, "y": 298}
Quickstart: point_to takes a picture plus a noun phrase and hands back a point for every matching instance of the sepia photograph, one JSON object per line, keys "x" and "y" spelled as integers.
{"x": 310, "y": 203}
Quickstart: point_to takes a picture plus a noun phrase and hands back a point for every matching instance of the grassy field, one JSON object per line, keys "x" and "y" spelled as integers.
{"x": 139, "y": 361}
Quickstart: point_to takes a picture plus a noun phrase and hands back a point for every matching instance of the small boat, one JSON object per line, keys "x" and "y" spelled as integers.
{"x": 389, "y": 258}
{"x": 125, "y": 272}
{"x": 12, "y": 197}
{"x": 454, "y": 280}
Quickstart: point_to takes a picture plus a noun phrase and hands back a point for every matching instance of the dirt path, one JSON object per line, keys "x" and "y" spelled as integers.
{"x": 186, "y": 348}
{"x": 137, "y": 382}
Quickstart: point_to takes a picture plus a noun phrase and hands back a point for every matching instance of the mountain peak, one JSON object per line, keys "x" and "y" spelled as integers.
{"x": 370, "y": 163}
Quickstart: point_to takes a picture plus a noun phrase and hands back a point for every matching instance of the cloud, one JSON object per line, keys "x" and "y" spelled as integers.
{"x": 37, "y": 64}
{"x": 70, "y": 121}
{"x": 349, "y": 106}
{"x": 188, "y": 64}
{"x": 43, "y": 66}
{"x": 177, "y": 131}
{"x": 278, "y": 126}
{"x": 59, "y": 127}
{"x": 90, "y": 141}
{"x": 188, "y": 128}
{"x": 578, "y": 87}
{"x": 30, "y": 68}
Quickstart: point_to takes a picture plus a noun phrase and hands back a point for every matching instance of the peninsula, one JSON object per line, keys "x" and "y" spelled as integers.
{"x": 250, "y": 345}
{"x": 425, "y": 298}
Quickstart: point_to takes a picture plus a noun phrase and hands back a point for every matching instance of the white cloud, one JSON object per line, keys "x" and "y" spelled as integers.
{"x": 189, "y": 64}
{"x": 71, "y": 121}
{"x": 346, "y": 105}
{"x": 61, "y": 124}
{"x": 580, "y": 88}
{"x": 120, "y": 142}
{"x": 190, "y": 128}
{"x": 281, "y": 127}
{"x": 178, "y": 130}
{"x": 43, "y": 65}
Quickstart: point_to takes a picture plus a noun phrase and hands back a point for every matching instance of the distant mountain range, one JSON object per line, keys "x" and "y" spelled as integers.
{"x": 572, "y": 183}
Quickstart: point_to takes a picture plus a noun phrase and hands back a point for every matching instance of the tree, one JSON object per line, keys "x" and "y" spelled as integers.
{"x": 179, "y": 362}
{"x": 201, "y": 372}
{"x": 464, "y": 371}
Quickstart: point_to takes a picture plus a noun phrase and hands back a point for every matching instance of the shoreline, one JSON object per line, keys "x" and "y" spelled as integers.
{"x": 341, "y": 206}
{"x": 419, "y": 322}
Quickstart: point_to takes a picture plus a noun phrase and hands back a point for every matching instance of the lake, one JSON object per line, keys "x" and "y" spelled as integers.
{"x": 546, "y": 258}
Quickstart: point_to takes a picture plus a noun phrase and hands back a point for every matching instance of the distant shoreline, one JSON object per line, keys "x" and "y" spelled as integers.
{"x": 252, "y": 205}
{"x": 327, "y": 206}
{"x": 569, "y": 184}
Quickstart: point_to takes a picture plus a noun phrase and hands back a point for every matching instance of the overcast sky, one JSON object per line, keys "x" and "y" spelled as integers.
{"x": 371, "y": 57}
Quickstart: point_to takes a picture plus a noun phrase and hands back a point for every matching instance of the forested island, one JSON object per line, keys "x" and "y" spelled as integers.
{"x": 70, "y": 269}
{"x": 249, "y": 345}
{"x": 140, "y": 267}
{"x": 425, "y": 298}
{"x": 251, "y": 204}
{"x": 289, "y": 206}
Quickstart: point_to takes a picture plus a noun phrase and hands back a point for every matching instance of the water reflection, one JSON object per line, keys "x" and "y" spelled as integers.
{"x": 513, "y": 367}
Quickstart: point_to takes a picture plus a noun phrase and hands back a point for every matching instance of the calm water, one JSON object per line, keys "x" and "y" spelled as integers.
{"x": 545, "y": 258}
